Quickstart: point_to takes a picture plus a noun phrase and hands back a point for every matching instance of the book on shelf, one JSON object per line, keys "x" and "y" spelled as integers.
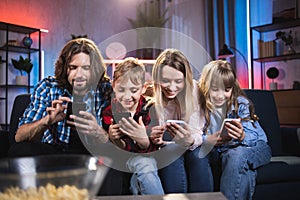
{"x": 266, "y": 48}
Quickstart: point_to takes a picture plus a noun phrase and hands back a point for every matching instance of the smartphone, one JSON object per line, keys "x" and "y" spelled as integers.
{"x": 73, "y": 108}
{"x": 223, "y": 129}
{"x": 179, "y": 122}
{"x": 167, "y": 136}
{"x": 118, "y": 116}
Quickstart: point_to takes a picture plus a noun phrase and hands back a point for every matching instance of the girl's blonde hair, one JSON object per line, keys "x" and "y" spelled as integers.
{"x": 175, "y": 59}
{"x": 220, "y": 72}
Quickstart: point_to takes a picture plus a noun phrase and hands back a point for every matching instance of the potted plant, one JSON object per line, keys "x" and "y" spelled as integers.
{"x": 287, "y": 38}
{"x": 23, "y": 65}
{"x": 147, "y": 17}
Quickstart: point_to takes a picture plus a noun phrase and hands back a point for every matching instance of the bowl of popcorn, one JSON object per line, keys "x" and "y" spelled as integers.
{"x": 52, "y": 177}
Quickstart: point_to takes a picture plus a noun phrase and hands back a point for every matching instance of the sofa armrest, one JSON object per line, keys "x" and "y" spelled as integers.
{"x": 290, "y": 140}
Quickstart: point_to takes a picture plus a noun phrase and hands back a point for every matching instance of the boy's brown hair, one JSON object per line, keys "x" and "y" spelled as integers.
{"x": 130, "y": 69}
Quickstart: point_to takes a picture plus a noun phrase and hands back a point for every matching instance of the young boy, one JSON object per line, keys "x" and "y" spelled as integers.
{"x": 127, "y": 121}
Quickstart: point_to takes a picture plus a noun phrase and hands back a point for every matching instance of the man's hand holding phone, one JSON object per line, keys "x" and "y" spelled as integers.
{"x": 73, "y": 108}
{"x": 56, "y": 112}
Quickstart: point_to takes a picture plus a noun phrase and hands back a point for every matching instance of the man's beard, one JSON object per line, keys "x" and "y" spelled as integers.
{"x": 80, "y": 90}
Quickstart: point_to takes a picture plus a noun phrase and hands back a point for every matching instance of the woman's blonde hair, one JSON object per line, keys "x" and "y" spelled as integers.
{"x": 175, "y": 59}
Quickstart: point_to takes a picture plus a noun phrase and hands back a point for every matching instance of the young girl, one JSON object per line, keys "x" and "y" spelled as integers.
{"x": 244, "y": 147}
{"x": 131, "y": 132}
{"x": 176, "y": 98}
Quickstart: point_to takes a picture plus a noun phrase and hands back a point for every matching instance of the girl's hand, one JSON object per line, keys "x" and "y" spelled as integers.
{"x": 181, "y": 134}
{"x": 156, "y": 135}
{"x": 235, "y": 130}
{"x": 223, "y": 140}
{"x": 217, "y": 139}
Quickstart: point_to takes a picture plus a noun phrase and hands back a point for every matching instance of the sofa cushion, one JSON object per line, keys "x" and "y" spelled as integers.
{"x": 266, "y": 110}
{"x": 291, "y": 140}
{"x": 280, "y": 169}
{"x": 20, "y": 104}
{"x": 277, "y": 191}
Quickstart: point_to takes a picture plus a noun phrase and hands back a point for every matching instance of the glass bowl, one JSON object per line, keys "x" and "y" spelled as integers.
{"x": 64, "y": 176}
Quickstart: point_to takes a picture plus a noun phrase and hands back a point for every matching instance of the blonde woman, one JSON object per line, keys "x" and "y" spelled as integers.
{"x": 176, "y": 98}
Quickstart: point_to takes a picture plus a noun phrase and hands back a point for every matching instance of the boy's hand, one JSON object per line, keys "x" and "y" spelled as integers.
{"x": 114, "y": 132}
{"x": 133, "y": 129}
{"x": 136, "y": 131}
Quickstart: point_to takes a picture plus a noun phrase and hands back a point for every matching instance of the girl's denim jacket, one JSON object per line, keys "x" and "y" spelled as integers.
{"x": 252, "y": 129}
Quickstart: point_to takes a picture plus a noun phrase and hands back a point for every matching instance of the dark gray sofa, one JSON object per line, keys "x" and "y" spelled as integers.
{"x": 280, "y": 179}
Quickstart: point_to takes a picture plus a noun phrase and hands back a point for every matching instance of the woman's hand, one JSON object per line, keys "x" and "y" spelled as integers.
{"x": 156, "y": 135}
{"x": 181, "y": 134}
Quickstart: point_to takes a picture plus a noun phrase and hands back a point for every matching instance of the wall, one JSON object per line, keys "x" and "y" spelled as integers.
{"x": 101, "y": 20}
{"x": 96, "y": 18}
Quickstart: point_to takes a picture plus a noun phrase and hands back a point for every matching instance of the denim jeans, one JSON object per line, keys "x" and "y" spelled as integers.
{"x": 188, "y": 173}
{"x": 239, "y": 166}
{"x": 145, "y": 179}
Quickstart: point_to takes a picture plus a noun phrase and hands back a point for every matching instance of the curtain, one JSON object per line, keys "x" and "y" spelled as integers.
{"x": 226, "y": 24}
{"x": 188, "y": 26}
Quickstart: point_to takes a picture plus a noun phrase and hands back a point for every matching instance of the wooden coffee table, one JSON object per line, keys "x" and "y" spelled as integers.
{"x": 187, "y": 196}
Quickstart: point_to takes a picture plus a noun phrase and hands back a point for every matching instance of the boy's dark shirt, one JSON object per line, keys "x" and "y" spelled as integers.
{"x": 143, "y": 109}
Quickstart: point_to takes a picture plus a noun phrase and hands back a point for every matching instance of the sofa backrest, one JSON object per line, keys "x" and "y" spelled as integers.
{"x": 266, "y": 110}
{"x": 20, "y": 104}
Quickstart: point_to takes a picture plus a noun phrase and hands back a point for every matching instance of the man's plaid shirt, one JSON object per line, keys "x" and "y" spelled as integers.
{"x": 48, "y": 90}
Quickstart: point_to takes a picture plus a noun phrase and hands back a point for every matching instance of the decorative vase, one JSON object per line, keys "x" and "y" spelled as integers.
{"x": 289, "y": 50}
{"x": 27, "y": 41}
{"x": 21, "y": 80}
{"x": 273, "y": 86}
{"x": 279, "y": 47}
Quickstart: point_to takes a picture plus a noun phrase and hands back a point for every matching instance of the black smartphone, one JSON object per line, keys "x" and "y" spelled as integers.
{"x": 118, "y": 116}
{"x": 73, "y": 108}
